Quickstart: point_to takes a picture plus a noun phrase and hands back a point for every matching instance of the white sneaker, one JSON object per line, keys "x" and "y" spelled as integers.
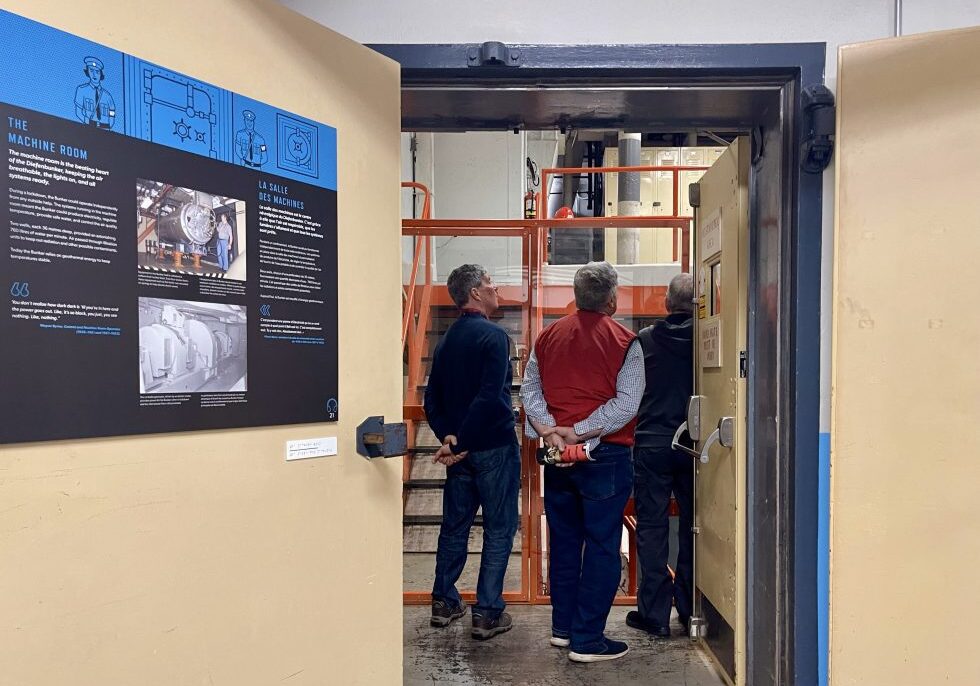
{"x": 559, "y": 642}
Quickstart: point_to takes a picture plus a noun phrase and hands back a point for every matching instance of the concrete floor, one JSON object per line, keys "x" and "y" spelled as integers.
{"x": 523, "y": 655}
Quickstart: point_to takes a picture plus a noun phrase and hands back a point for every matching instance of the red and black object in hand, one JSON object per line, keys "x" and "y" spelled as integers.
{"x": 572, "y": 454}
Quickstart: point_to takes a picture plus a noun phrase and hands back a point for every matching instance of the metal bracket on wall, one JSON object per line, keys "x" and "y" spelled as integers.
{"x": 819, "y": 129}
{"x": 493, "y": 54}
{"x": 377, "y": 439}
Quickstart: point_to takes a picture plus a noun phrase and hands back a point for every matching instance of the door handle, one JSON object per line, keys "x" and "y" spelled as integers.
{"x": 712, "y": 439}
{"x": 724, "y": 433}
{"x": 676, "y": 445}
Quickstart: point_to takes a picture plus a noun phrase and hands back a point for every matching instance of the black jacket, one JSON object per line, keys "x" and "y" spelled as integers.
{"x": 468, "y": 393}
{"x": 668, "y": 355}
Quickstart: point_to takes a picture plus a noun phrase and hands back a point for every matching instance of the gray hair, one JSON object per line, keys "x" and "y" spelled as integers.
{"x": 680, "y": 293}
{"x": 464, "y": 279}
{"x": 595, "y": 286}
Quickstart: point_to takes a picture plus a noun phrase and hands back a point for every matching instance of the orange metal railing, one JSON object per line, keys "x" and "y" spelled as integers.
{"x": 415, "y": 322}
{"x": 536, "y": 300}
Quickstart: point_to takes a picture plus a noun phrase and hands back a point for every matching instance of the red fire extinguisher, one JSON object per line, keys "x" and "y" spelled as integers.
{"x": 530, "y": 205}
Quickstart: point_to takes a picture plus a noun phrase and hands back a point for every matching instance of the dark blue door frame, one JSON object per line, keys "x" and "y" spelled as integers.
{"x": 784, "y": 643}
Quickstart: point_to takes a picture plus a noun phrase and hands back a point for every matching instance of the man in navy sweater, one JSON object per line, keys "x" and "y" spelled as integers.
{"x": 468, "y": 406}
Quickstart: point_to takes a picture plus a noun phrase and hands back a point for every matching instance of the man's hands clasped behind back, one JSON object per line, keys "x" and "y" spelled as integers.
{"x": 444, "y": 455}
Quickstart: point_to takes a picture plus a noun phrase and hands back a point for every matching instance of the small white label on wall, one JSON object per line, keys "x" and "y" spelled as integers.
{"x": 311, "y": 447}
{"x": 711, "y": 235}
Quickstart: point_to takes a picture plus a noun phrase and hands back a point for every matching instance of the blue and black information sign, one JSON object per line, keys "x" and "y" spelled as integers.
{"x": 168, "y": 249}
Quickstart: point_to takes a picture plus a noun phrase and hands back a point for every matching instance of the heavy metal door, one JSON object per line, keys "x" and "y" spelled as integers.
{"x": 717, "y": 413}
{"x": 906, "y": 384}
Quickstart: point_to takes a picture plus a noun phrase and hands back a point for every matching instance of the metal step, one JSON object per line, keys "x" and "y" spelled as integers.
{"x": 425, "y": 539}
{"x": 424, "y": 468}
{"x": 420, "y": 484}
{"x": 427, "y": 502}
{"x": 431, "y": 520}
{"x": 423, "y": 450}
{"x": 423, "y": 503}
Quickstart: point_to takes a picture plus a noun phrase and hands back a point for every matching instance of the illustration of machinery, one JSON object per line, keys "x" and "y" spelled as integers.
{"x": 179, "y": 112}
{"x": 185, "y": 223}
{"x": 185, "y": 350}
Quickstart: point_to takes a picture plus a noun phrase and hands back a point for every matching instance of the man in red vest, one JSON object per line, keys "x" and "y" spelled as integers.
{"x": 583, "y": 384}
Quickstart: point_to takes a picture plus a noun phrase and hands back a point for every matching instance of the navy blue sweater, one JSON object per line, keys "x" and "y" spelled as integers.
{"x": 468, "y": 394}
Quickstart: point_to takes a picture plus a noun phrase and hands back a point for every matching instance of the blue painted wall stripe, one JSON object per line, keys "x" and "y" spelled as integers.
{"x": 823, "y": 560}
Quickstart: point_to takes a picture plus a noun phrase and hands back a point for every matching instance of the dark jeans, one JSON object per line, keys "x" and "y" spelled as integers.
{"x": 658, "y": 472}
{"x": 584, "y": 505}
{"x": 490, "y": 479}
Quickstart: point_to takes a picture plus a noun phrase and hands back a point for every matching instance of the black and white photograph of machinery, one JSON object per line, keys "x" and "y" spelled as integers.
{"x": 190, "y": 231}
{"x": 192, "y": 347}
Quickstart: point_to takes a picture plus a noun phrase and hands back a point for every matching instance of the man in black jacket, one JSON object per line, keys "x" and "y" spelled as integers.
{"x": 468, "y": 405}
{"x": 659, "y": 470}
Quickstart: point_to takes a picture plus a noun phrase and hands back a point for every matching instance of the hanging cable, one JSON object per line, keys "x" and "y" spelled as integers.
{"x": 533, "y": 180}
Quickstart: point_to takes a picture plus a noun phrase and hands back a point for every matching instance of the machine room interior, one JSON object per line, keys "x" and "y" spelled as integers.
{"x": 476, "y": 179}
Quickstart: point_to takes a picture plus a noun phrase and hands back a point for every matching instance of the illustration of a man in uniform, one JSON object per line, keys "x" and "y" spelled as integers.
{"x": 93, "y": 103}
{"x": 249, "y": 143}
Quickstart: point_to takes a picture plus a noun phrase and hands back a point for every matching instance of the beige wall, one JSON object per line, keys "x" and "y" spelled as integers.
{"x": 204, "y": 558}
{"x": 905, "y": 549}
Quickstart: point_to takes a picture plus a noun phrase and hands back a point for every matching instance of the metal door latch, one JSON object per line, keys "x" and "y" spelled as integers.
{"x": 698, "y": 628}
{"x": 377, "y": 439}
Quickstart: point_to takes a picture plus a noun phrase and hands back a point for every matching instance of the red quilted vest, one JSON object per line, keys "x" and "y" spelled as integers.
{"x": 579, "y": 358}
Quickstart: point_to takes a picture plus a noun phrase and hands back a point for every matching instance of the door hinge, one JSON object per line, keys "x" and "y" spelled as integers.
{"x": 819, "y": 128}
{"x": 493, "y": 54}
{"x": 743, "y": 364}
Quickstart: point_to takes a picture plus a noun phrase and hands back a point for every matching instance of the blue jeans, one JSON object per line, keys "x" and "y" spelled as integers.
{"x": 584, "y": 505}
{"x": 223, "y": 254}
{"x": 490, "y": 479}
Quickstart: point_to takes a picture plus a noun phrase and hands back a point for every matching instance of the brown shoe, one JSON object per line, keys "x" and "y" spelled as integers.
{"x": 484, "y": 628}
{"x": 443, "y": 614}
